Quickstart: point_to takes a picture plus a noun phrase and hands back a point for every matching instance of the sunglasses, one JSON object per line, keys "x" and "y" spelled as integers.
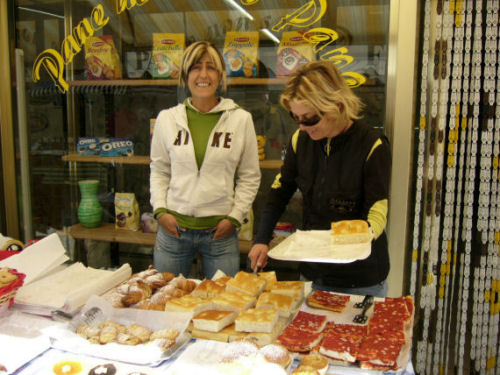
{"x": 309, "y": 122}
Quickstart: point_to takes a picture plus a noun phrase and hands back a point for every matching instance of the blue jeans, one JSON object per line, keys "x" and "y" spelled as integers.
{"x": 377, "y": 290}
{"x": 176, "y": 254}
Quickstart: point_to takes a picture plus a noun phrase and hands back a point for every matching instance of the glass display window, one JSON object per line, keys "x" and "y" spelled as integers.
{"x": 97, "y": 69}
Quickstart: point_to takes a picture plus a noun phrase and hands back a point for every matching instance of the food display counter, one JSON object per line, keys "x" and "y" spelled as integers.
{"x": 154, "y": 323}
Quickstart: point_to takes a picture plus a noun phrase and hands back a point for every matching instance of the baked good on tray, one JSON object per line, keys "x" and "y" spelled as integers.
{"x": 256, "y": 320}
{"x": 280, "y": 302}
{"x": 247, "y": 283}
{"x": 350, "y": 231}
{"x": 214, "y": 320}
{"x": 235, "y": 301}
{"x": 208, "y": 289}
{"x": 188, "y": 303}
{"x": 328, "y": 300}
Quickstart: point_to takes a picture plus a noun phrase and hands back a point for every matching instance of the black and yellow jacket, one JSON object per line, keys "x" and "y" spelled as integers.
{"x": 344, "y": 178}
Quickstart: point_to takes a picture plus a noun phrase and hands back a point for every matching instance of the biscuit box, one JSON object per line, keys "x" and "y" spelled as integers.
{"x": 293, "y": 52}
{"x": 167, "y": 54}
{"x": 116, "y": 147}
{"x": 241, "y": 53}
{"x": 88, "y": 146}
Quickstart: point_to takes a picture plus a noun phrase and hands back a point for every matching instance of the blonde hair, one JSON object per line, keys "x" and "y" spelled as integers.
{"x": 320, "y": 86}
{"x": 193, "y": 54}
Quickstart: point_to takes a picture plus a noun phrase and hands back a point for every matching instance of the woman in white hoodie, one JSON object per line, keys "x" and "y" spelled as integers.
{"x": 204, "y": 170}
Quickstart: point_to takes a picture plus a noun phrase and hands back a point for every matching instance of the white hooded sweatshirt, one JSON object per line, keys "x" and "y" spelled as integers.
{"x": 229, "y": 177}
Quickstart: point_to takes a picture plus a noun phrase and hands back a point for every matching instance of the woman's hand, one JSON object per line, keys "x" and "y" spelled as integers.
{"x": 223, "y": 229}
{"x": 258, "y": 256}
{"x": 169, "y": 223}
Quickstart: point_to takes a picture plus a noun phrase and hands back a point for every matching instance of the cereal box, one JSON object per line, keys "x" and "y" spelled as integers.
{"x": 101, "y": 58}
{"x": 167, "y": 54}
{"x": 241, "y": 53}
{"x": 293, "y": 52}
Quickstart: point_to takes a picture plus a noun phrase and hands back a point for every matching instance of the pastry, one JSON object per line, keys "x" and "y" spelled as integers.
{"x": 276, "y": 353}
{"x": 234, "y": 301}
{"x": 238, "y": 349}
{"x": 350, "y": 231}
{"x": 256, "y": 320}
{"x": 317, "y": 361}
{"x": 164, "y": 334}
{"x": 127, "y": 339}
{"x": 208, "y": 289}
{"x": 108, "y": 334}
{"x": 247, "y": 283}
{"x": 137, "y": 292}
{"x": 214, "y": 320}
{"x": 279, "y": 302}
{"x": 67, "y": 368}
{"x": 270, "y": 278}
{"x": 6, "y": 277}
{"x": 106, "y": 369}
{"x": 141, "y": 332}
{"x": 188, "y": 303}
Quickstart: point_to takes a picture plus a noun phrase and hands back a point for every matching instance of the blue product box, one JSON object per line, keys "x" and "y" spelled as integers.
{"x": 88, "y": 146}
{"x": 116, "y": 146}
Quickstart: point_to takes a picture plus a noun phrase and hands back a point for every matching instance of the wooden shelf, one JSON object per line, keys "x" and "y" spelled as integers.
{"x": 108, "y": 233}
{"x": 174, "y": 82}
{"x": 142, "y": 159}
{"x": 135, "y": 159}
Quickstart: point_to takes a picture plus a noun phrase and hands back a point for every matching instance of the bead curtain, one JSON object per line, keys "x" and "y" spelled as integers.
{"x": 455, "y": 265}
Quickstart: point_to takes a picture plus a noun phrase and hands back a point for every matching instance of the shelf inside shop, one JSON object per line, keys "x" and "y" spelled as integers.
{"x": 143, "y": 159}
{"x": 173, "y": 82}
{"x": 109, "y": 233}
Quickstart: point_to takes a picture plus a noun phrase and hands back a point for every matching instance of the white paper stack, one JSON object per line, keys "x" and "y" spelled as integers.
{"x": 51, "y": 285}
{"x": 39, "y": 259}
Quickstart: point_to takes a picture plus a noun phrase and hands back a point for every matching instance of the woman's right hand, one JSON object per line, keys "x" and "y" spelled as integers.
{"x": 169, "y": 224}
{"x": 258, "y": 256}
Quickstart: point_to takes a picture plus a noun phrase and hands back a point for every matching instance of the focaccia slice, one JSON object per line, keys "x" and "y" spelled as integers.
{"x": 279, "y": 302}
{"x": 214, "y": 320}
{"x": 350, "y": 231}
{"x": 234, "y": 301}
{"x": 256, "y": 320}
{"x": 247, "y": 283}
{"x": 188, "y": 303}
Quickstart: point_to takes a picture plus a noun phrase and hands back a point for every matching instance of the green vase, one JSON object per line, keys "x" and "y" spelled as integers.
{"x": 89, "y": 210}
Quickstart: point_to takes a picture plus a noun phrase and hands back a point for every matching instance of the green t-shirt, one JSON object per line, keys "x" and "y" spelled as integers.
{"x": 200, "y": 125}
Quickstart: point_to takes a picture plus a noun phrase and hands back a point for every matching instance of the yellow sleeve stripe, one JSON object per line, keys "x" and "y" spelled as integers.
{"x": 276, "y": 183}
{"x": 377, "y": 143}
{"x": 377, "y": 217}
{"x": 295, "y": 139}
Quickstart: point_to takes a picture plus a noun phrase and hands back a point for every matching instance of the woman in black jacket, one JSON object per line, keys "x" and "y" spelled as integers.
{"x": 342, "y": 168}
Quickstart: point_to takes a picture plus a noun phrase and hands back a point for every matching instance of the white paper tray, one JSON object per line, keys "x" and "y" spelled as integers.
{"x": 65, "y": 338}
{"x": 315, "y": 246}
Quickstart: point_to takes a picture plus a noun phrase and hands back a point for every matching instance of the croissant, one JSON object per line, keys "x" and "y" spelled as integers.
{"x": 141, "y": 332}
{"x": 137, "y": 292}
{"x": 147, "y": 304}
{"x": 168, "y": 276}
{"x": 108, "y": 334}
{"x": 160, "y": 298}
{"x": 156, "y": 281}
{"x": 127, "y": 339}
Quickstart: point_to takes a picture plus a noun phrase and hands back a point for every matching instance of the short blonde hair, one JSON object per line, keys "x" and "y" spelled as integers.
{"x": 194, "y": 53}
{"x": 320, "y": 86}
